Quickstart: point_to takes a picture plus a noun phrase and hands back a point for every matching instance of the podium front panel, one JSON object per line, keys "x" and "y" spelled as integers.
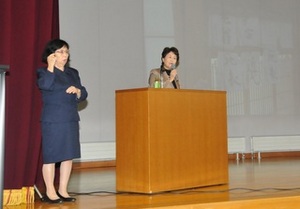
{"x": 169, "y": 139}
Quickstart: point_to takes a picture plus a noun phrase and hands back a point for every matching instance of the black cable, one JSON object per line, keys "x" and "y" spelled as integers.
{"x": 94, "y": 193}
{"x": 236, "y": 189}
{"x": 107, "y": 193}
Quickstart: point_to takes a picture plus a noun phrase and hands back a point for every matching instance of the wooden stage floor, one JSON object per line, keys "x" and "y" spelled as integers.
{"x": 268, "y": 183}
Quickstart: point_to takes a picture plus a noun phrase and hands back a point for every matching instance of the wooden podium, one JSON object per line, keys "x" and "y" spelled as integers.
{"x": 169, "y": 139}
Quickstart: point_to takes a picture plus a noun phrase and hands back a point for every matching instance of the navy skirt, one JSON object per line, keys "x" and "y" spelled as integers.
{"x": 60, "y": 141}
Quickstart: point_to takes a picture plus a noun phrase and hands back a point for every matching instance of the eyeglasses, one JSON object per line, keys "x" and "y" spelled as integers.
{"x": 62, "y": 51}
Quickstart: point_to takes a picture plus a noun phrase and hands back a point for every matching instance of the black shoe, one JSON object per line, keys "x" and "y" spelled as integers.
{"x": 48, "y": 200}
{"x": 66, "y": 199}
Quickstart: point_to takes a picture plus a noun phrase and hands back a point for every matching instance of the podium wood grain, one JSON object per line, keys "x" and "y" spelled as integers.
{"x": 169, "y": 139}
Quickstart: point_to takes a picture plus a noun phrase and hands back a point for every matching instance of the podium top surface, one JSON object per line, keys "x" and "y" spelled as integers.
{"x": 168, "y": 89}
{"x": 4, "y": 68}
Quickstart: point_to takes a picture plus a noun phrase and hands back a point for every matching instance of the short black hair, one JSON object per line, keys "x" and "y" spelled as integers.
{"x": 52, "y": 46}
{"x": 167, "y": 50}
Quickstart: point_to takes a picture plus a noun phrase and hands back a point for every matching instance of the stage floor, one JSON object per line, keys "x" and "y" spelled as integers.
{"x": 266, "y": 183}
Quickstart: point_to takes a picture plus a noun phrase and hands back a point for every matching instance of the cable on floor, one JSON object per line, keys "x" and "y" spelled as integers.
{"x": 107, "y": 193}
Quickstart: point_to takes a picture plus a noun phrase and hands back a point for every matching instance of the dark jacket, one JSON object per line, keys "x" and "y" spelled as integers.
{"x": 59, "y": 106}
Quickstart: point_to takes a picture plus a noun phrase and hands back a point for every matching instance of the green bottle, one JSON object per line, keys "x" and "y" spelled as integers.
{"x": 157, "y": 84}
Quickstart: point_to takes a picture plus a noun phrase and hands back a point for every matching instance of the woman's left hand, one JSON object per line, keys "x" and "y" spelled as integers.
{"x": 173, "y": 74}
{"x": 72, "y": 90}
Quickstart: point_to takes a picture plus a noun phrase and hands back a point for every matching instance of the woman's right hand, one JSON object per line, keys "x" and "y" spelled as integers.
{"x": 51, "y": 59}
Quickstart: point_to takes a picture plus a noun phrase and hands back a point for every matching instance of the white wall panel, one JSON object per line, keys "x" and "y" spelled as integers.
{"x": 247, "y": 47}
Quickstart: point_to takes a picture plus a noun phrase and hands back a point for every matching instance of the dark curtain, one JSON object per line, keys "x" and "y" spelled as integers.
{"x": 26, "y": 26}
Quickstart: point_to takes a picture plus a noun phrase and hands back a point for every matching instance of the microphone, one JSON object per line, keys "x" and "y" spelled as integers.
{"x": 173, "y": 66}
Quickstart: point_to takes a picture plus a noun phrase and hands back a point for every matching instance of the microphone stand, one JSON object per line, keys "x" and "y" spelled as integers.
{"x": 3, "y": 69}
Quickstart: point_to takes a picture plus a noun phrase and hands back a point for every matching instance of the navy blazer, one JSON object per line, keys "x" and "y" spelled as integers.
{"x": 59, "y": 106}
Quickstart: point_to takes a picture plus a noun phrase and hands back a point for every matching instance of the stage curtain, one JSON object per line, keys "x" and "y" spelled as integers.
{"x": 26, "y": 26}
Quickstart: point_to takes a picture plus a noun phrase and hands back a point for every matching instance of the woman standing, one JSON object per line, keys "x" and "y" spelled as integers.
{"x": 166, "y": 76}
{"x": 61, "y": 91}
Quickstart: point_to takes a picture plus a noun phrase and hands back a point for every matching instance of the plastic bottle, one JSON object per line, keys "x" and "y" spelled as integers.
{"x": 156, "y": 84}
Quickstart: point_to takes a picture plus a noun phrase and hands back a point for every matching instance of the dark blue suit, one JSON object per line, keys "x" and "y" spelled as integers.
{"x": 60, "y": 129}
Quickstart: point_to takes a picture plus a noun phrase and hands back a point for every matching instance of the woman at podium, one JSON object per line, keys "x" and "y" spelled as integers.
{"x": 166, "y": 76}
